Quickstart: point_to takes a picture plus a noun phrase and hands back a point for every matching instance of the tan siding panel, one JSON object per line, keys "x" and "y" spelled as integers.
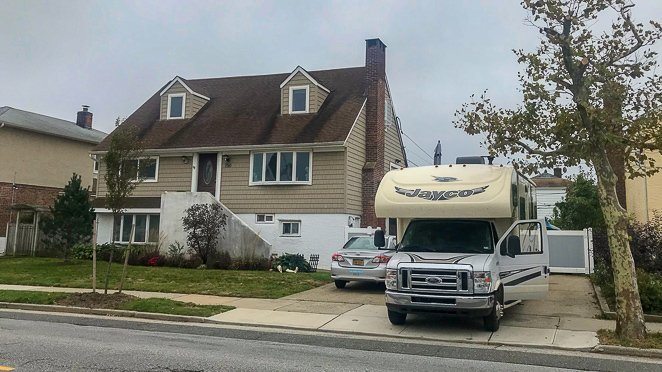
{"x": 193, "y": 103}
{"x": 173, "y": 175}
{"x": 355, "y": 160}
{"x": 325, "y": 195}
{"x": 392, "y": 148}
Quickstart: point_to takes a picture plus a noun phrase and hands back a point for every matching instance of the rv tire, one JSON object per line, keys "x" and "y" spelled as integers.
{"x": 396, "y": 317}
{"x": 491, "y": 321}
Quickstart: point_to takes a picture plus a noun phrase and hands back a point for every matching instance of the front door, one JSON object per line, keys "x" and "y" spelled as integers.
{"x": 207, "y": 168}
{"x": 524, "y": 261}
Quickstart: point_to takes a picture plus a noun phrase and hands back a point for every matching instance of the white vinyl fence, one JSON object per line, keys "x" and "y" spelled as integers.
{"x": 571, "y": 251}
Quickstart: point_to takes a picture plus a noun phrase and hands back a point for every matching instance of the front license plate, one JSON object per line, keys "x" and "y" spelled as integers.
{"x": 358, "y": 262}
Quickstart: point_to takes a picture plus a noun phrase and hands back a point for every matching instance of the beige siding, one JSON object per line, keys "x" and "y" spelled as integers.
{"x": 43, "y": 160}
{"x": 644, "y": 194}
{"x": 325, "y": 195}
{"x": 193, "y": 103}
{"x": 173, "y": 175}
{"x": 316, "y": 95}
{"x": 355, "y": 160}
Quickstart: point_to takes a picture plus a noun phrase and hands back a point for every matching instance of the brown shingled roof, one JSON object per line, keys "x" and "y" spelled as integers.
{"x": 245, "y": 111}
{"x": 547, "y": 179}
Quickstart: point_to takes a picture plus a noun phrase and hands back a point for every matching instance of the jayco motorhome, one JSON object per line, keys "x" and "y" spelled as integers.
{"x": 468, "y": 241}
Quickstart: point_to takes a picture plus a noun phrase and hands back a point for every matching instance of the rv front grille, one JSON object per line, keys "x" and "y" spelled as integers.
{"x": 434, "y": 280}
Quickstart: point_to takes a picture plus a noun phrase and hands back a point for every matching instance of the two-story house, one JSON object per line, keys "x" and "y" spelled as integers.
{"x": 38, "y": 155}
{"x": 297, "y": 156}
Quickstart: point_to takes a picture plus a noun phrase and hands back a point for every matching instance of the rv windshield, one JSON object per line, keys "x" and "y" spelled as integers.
{"x": 448, "y": 236}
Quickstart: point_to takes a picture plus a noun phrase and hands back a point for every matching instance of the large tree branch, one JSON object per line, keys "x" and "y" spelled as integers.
{"x": 627, "y": 21}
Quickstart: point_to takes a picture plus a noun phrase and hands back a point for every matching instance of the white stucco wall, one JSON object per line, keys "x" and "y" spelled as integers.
{"x": 321, "y": 234}
{"x": 3, "y": 246}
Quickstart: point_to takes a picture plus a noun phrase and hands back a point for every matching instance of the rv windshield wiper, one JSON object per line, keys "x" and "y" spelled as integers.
{"x": 413, "y": 248}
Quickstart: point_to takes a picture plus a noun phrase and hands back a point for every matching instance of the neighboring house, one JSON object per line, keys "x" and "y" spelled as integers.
{"x": 297, "y": 156}
{"x": 39, "y": 154}
{"x": 644, "y": 194}
{"x": 550, "y": 189}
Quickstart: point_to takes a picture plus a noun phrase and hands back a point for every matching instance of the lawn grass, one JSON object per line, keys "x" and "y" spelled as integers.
{"x": 238, "y": 283}
{"x": 125, "y": 302}
{"x": 166, "y": 306}
{"x": 31, "y": 297}
{"x": 652, "y": 341}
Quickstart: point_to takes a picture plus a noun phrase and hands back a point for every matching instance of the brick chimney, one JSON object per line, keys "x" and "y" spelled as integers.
{"x": 373, "y": 170}
{"x": 84, "y": 118}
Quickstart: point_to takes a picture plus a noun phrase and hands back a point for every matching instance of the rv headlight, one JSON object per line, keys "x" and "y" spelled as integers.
{"x": 482, "y": 281}
{"x": 391, "y": 279}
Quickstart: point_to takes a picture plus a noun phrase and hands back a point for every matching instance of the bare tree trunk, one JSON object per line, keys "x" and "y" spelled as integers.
{"x": 94, "y": 256}
{"x": 126, "y": 257}
{"x": 629, "y": 314}
{"x": 110, "y": 260}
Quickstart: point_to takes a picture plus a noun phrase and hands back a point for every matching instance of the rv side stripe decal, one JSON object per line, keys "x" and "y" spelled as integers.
{"x": 523, "y": 279}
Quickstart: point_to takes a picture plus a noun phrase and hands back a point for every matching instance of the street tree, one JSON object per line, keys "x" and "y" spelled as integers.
{"x": 590, "y": 95}
{"x": 580, "y": 209}
{"x": 71, "y": 217}
{"x": 122, "y": 177}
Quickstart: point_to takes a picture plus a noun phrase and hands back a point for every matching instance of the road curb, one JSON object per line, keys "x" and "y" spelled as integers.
{"x": 609, "y": 314}
{"x": 600, "y": 349}
{"x": 105, "y": 312}
{"x": 628, "y": 351}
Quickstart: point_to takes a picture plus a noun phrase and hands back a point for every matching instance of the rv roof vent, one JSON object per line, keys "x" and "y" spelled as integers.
{"x": 470, "y": 160}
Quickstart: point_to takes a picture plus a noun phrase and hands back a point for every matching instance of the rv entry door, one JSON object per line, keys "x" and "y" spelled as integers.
{"x": 524, "y": 261}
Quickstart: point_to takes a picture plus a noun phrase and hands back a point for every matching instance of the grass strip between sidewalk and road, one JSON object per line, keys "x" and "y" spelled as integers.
{"x": 113, "y": 301}
{"x": 54, "y": 272}
{"x": 652, "y": 341}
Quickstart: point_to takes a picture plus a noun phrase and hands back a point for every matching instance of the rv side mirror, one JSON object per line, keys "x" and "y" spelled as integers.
{"x": 513, "y": 247}
{"x": 380, "y": 240}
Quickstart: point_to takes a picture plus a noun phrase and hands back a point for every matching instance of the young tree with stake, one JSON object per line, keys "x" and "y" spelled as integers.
{"x": 121, "y": 179}
{"x": 589, "y": 97}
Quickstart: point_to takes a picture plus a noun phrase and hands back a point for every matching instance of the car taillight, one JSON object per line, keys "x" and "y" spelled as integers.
{"x": 337, "y": 257}
{"x": 381, "y": 259}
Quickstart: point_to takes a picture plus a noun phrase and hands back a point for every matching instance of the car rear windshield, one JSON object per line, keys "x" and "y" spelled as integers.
{"x": 448, "y": 236}
{"x": 360, "y": 243}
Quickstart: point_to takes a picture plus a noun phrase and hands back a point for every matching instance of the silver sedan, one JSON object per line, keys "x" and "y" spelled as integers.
{"x": 360, "y": 260}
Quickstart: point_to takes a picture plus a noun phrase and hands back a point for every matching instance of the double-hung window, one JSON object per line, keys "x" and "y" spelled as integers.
{"x": 281, "y": 167}
{"x": 299, "y": 99}
{"x": 145, "y": 169}
{"x": 147, "y": 228}
{"x": 176, "y": 105}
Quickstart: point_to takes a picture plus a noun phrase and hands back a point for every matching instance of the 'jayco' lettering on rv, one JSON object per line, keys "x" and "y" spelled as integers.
{"x": 439, "y": 195}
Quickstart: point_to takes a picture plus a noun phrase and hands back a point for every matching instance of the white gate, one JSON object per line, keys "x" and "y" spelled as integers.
{"x": 571, "y": 251}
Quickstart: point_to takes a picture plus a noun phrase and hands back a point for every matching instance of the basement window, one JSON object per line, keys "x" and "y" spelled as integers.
{"x": 264, "y": 218}
{"x": 176, "y": 105}
{"x": 290, "y": 228}
{"x": 147, "y": 228}
{"x": 299, "y": 99}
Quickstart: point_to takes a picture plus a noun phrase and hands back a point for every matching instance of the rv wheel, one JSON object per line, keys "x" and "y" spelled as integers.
{"x": 397, "y": 318}
{"x": 491, "y": 321}
{"x": 340, "y": 284}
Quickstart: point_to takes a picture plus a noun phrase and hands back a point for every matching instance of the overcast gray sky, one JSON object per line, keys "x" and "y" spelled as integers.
{"x": 112, "y": 55}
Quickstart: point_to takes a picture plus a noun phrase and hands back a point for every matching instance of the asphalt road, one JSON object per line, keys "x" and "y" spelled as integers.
{"x": 50, "y": 342}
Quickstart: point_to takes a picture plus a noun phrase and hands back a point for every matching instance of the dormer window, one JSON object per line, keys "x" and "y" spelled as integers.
{"x": 299, "y": 99}
{"x": 176, "y": 104}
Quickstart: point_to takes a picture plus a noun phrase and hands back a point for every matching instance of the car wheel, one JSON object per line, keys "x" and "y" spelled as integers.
{"x": 491, "y": 322}
{"x": 396, "y": 317}
{"x": 340, "y": 284}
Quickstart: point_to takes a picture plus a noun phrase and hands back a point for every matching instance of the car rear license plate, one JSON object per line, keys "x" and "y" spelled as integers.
{"x": 358, "y": 262}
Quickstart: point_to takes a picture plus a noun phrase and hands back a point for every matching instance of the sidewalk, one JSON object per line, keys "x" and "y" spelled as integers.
{"x": 371, "y": 319}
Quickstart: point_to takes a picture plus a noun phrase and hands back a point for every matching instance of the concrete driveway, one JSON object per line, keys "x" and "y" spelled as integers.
{"x": 571, "y": 297}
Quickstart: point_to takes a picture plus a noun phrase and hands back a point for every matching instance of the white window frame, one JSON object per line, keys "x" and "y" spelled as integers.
{"x": 133, "y": 221}
{"x": 298, "y": 87}
{"x": 268, "y": 219}
{"x": 282, "y": 224}
{"x": 95, "y": 164}
{"x": 394, "y": 166}
{"x": 278, "y": 181}
{"x": 170, "y": 96}
{"x": 156, "y": 174}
